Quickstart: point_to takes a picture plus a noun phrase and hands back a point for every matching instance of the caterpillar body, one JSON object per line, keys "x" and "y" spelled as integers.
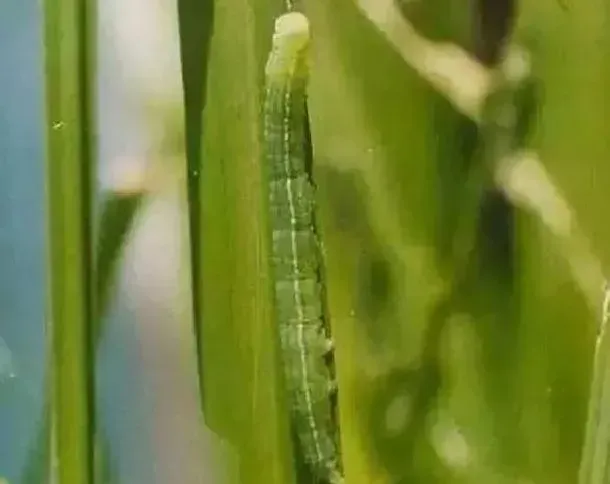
{"x": 295, "y": 250}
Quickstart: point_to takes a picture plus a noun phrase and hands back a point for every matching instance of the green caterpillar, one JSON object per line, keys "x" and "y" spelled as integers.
{"x": 296, "y": 255}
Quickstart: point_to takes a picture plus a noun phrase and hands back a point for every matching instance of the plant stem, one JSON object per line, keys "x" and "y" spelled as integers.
{"x": 70, "y": 164}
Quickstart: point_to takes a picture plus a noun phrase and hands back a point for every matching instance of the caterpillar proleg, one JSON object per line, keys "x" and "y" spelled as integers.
{"x": 296, "y": 256}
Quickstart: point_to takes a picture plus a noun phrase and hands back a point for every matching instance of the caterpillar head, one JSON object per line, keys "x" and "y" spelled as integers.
{"x": 291, "y": 31}
{"x": 289, "y": 46}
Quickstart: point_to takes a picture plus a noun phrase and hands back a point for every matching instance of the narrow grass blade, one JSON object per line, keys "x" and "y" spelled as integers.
{"x": 70, "y": 163}
{"x": 116, "y": 218}
{"x": 595, "y": 458}
{"x": 243, "y": 399}
{"x": 195, "y": 24}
